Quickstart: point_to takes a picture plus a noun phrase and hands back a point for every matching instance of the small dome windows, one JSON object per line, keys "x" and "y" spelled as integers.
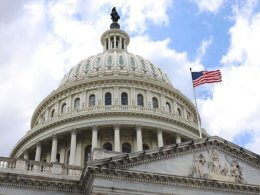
{"x": 108, "y": 99}
{"x": 92, "y": 100}
{"x": 155, "y": 102}
{"x": 63, "y": 108}
{"x": 124, "y": 98}
{"x": 168, "y": 107}
{"x": 76, "y": 103}
{"x": 109, "y": 62}
{"x": 140, "y": 100}
{"x": 52, "y": 113}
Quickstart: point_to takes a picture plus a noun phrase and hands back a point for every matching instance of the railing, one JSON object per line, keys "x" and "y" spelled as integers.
{"x": 112, "y": 108}
{"x": 7, "y": 163}
{"x": 39, "y": 168}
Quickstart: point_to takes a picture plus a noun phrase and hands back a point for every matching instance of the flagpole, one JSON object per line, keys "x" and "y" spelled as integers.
{"x": 197, "y": 112}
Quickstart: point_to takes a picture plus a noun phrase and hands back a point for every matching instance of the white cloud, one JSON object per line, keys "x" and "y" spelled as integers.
{"x": 234, "y": 106}
{"x": 40, "y": 41}
{"x": 209, "y": 5}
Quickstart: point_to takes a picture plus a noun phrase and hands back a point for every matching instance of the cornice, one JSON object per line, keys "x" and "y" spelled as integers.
{"x": 38, "y": 182}
{"x": 172, "y": 180}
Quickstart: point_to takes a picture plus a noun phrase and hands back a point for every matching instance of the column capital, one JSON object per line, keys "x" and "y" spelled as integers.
{"x": 138, "y": 127}
{"x": 94, "y": 127}
{"x": 38, "y": 142}
{"x": 55, "y": 136}
{"x": 116, "y": 125}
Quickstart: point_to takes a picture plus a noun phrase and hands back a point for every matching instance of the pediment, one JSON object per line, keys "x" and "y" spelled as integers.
{"x": 208, "y": 163}
{"x": 211, "y": 158}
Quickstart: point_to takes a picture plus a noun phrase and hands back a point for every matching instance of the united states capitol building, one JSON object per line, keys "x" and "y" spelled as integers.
{"x": 116, "y": 125}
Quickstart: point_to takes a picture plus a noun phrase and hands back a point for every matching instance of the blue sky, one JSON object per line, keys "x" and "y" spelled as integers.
{"x": 41, "y": 40}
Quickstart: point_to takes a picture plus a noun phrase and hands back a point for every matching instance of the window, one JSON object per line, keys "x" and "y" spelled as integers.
{"x": 92, "y": 100}
{"x": 168, "y": 106}
{"x": 108, "y": 99}
{"x": 155, "y": 102}
{"x": 58, "y": 157}
{"x": 179, "y": 111}
{"x": 76, "y": 103}
{"x": 126, "y": 148}
{"x": 52, "y": 113}
{"x": 140, "y": 100}
{"x": 63, "y": 108}
{"x": 112, "y": 42}
{"x": 107, "y": 146}
{"x": 146, "y": 147}
{"x": 87, "y": 154}
{"x": 124, "y": 99}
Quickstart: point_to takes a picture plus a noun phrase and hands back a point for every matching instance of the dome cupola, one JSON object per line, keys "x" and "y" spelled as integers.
{"x": 115, "y": 38}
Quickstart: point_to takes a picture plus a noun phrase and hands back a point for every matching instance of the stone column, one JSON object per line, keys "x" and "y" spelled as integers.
{"x": 94, "y": 137}
{"x": 78, "y": 152}
{"x": 178, "y": 138}
{"x": 26, "y": 155}
{"x": 73, "y": 143}
{"x": 117, "y": 137}
{"x": 114, "y": 41}
{"x": 120, "y": 43}
{"x": 160, "y": 138}
{"x": 139, "y": 139}
{"x": 54, "y": 148}
{"x": 38, "y": 152}
{"x": 109, "y": 43}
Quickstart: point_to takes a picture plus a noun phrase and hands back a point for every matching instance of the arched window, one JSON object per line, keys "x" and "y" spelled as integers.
{"x": 52, "y": 113}
{"x": 58, "y": 157}
{"x": 179, "y": 111}
{"x": 155, "y": 102}
{"x": 87, "y": 153}
{"x": 146, "y": 147}
{"x": 126, "y": 147}
{"x": 76, "y": 103}
{"x": 107, "y": 146}
{"x": 92, "y": 100}
{"x": 168, "y": 106}
{"x": 140, "y": 100}
{"x": 124, "y": 98}
{"x": 108, "y": 98}
{"x": 63, "y": 108}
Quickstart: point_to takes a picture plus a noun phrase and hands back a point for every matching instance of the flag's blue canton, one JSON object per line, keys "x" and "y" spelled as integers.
{"x": 196, "y": 75}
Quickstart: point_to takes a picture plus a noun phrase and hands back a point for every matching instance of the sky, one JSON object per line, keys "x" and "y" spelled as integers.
{"x": 40, "y": 40}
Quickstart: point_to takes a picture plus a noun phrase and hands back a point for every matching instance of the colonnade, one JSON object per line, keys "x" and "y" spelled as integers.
{"x": 117, "y": 144}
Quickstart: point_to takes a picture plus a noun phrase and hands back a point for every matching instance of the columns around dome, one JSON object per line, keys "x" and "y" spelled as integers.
{"x": 75, "y": 151}
{"x": 115, "y": 39}
{"x": 117, "y": 137}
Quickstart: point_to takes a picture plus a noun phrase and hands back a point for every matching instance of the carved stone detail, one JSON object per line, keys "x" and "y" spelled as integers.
{"x": 214, "y": 168}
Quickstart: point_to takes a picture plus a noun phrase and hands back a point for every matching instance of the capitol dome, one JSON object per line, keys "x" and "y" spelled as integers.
{"x": 116, "y": 101}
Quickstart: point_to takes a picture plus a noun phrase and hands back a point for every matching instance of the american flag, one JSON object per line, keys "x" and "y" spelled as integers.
{"x": 203, "y": 77}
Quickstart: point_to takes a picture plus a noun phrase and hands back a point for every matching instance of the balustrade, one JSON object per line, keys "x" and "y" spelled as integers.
{"x": 39, "y": 168}
{"x": 130, "y": 108}
{"x": 7, "y": 163}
